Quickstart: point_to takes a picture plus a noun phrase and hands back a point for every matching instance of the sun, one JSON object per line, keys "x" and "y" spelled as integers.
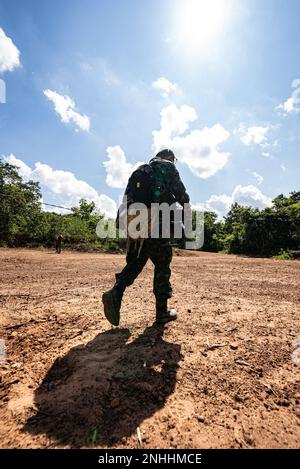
{"x": 199, "y": 23}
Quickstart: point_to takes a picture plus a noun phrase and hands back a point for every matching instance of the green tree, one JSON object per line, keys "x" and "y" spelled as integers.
{"x": 213, "y": 232}
{"x": 85, "y": 209}
{"x": 20, "y": 208}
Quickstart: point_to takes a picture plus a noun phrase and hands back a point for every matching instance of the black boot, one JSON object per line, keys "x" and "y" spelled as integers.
{"x": 163, "y": 314}
{"x": 112, "y": 300}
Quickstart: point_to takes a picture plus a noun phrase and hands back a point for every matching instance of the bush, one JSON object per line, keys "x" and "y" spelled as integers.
{"x": 283, "y": 255}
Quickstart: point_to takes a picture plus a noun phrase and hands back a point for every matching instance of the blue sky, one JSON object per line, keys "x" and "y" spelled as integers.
{"x": 216, "y": 80}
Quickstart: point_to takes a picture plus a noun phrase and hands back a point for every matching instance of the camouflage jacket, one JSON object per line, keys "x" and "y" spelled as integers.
{"x": 169, "y": 186}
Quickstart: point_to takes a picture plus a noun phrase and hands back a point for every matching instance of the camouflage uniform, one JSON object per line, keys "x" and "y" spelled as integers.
{"x": 169, "y": 188}
{"x": 160, "y": 253}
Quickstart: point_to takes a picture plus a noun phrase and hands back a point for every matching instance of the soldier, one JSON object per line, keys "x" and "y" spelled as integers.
{"x": 58, "y": 243}
{"x": 168, "y": 188}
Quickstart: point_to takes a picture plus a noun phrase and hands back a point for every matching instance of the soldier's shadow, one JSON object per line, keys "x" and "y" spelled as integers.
{"x": 105, "y": 388}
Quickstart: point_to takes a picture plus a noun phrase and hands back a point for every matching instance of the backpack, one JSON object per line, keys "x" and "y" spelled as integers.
{"x": 147, "y": 185}
{"x": 141, "y": 185}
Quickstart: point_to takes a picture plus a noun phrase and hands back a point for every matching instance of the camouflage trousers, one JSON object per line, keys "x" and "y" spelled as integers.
{"x": 159, "y": 251}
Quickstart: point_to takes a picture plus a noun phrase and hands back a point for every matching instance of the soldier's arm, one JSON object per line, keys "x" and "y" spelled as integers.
{"x": 178, "y": 189}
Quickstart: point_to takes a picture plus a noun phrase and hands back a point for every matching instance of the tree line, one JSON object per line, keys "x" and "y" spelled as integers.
{"x": 24, "y": 223}
{"x": 245, "y": 230}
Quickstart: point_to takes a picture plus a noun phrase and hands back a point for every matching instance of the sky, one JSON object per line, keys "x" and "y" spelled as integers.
{"x": 90, "y": 89}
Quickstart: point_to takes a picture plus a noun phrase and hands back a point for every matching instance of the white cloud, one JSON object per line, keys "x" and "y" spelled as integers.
{"x": 290, "y": 105}
{"x": 165, "y": 86}
{"x": 253, "y": 135}
{"x": 117, "y": 168}
{"x": 173, "y": 120}
{"x": 250, "y": 195}
{"x": 243, "y": 195}
{"x": 9, "y": 53}
{"x": 219, "y": 203}
{"x": 283, "y": 167}
{"x": 62, "y": 187}
{"x": 199, "y": 149}
{"x": 65, "y": 108}
{"x": 258, "y": 177}
{"x": 23, "y": 170}
{"x": 259, "y": 135}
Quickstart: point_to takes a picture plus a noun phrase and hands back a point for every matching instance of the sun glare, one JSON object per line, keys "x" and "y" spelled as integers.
{"x": 199, "y": 23}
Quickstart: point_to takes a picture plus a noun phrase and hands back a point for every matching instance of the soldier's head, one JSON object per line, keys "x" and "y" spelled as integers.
{"x": 166, "y": 155}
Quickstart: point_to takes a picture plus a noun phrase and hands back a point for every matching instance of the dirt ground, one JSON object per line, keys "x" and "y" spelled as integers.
{"x": 224, "y": 375}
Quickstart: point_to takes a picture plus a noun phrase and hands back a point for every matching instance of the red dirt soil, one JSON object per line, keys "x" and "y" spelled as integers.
{"x": 221, "y": 376}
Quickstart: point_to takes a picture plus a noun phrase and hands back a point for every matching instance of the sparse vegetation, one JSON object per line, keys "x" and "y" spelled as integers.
{"x": 283, "y": 255}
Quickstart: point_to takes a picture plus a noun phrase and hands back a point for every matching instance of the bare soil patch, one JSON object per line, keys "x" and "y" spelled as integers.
{"x": 221, "y": 376}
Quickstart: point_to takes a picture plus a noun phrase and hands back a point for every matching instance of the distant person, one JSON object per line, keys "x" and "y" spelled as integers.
{"x": 167, "y": 187}
{"x": 58, "y": 243}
